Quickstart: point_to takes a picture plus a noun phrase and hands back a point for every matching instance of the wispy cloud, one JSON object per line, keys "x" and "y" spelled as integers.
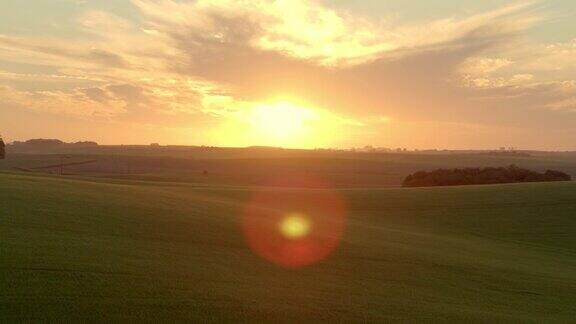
{"x": 210, "y": 59}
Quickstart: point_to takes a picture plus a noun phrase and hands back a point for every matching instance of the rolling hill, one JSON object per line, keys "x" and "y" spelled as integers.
{"x": 85, "y": 249}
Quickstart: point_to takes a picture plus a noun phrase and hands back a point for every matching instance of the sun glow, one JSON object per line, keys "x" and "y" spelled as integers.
{"x": 281, "y": 121}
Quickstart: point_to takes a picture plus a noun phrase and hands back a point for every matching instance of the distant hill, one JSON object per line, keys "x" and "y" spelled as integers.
{"x": 41, "y": 145}
{"x": 506, "y": 153}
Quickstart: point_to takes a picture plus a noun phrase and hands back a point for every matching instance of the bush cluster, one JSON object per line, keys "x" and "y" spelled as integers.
{"x": 472, "y": 176}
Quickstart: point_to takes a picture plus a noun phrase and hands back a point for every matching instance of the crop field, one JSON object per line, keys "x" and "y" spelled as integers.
{"x": 252, "y": 166}
{"x": 310, "y": 161}
{"x": 77, "y": 248}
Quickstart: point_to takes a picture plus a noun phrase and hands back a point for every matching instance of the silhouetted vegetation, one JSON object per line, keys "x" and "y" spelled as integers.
{"x": 84, "y": 144}
{"x": 506, "y": 153}
{"x": 40, "y": 142}
{"x": 2, "y": 149}
{"x": 472, "y": 176}
{"x": 48, "y": 143}
{"x": 51, "y": 146}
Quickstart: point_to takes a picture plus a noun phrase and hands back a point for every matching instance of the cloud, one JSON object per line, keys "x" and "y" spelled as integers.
{"x": 535, "y": 87}
{"x": 261, "y": 52}
{"x": 75, "y": 103}
{"x": 556, "y": 57}
{"x": 95, "y": 94}
{"x": 564, "y": 105}
{"x": 61, "y": 53}
{"x": 210, "y": 60}
{"x": 103, "y": 23}
{"x": 483, "y": 65}
{"x": 313, "y": 32}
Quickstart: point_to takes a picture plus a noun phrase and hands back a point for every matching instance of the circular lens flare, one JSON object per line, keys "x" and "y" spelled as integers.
{"x": 294, "y": 227}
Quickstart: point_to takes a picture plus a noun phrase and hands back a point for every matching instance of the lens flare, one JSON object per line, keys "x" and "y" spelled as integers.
{"x": 293, "y": 227}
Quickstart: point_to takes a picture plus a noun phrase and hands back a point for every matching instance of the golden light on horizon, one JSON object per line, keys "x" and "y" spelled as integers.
{"x": 288, "y": 123}
{"x": 295, "y": 226}
{"x": 282, "y": 121}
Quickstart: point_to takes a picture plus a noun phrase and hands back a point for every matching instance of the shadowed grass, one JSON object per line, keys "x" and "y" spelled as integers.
{"x": 75, "y": 249}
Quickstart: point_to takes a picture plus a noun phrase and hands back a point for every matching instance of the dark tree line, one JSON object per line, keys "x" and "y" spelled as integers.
{"x": 49, "y": 143}
{"x": 471, "y": 176}
{"x": 2, "y": 149}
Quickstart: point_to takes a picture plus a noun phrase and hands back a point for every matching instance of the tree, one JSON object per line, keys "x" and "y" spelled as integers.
{"x": 490, "y": 175}
{"x": 2, "y": 149}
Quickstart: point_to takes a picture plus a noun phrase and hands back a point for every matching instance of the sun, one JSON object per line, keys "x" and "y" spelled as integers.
{"x": 288, "y": 123}
{"x": 282, "y": 121}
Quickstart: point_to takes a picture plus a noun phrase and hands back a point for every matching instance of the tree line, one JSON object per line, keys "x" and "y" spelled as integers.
{"x": 2, "y": 149}
{"x": 489, "y": 175}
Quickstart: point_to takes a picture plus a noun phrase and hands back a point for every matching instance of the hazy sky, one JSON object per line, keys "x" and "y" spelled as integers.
{"x": 396, "y": 73}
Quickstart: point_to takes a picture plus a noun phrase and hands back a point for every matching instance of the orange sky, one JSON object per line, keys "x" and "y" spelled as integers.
{"x": 291, "y": 73}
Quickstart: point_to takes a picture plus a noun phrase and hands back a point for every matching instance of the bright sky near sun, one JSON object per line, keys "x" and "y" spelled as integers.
{"x": 292, "y": 73}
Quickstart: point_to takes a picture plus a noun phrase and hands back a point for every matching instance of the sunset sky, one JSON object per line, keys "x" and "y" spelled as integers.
{"x": 453, "y": 74}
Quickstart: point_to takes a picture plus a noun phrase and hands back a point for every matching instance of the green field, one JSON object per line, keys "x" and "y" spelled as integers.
{"x": 87, "y": 249}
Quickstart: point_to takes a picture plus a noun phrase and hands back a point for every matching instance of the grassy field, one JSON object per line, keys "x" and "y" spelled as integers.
{"x": 251, "y": 166}
{"x": 85, "y": 249}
